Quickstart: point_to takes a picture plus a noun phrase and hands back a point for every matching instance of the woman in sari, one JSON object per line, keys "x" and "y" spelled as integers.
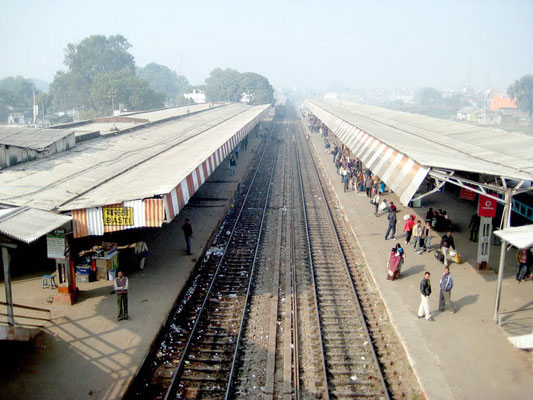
{"x": 394, "y": 264}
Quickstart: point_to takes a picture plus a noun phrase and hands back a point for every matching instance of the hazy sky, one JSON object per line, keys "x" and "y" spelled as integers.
{"x": 358, "y": 44}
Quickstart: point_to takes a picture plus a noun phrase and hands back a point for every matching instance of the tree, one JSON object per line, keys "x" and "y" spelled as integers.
{"x": 86, "y": 60}
{"x": 223, "y": 85}
{"x": 70, "y": 90}
{"x": 98, "y": 54}
{"x": 257, "y": 87}
{"x": 522, "y": 91}
{"x": 163, "y": 79}
{"x": 126, "y": 88}
{"x": 230, "y": 85}
{"x": 428, "y": 96}
{"x": 17, "y": 92}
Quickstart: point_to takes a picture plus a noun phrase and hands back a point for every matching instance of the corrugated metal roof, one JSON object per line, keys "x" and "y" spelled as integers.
{"x": 29, "y": 224}
{"x": 31, "y": 138}
{"x": 162, "y": 174}
{"x": 150, "y": 116}
{"x": 440, "y": 143}
{"x": 52, "y": 182}
{"x": 518, "y": 236}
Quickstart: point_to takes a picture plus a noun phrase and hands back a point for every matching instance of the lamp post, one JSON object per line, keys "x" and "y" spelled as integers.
{"x": 112, "y": 94}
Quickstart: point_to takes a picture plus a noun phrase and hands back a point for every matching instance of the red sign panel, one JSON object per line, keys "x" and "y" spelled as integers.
{"x": 486, "y": 207}
{"x": 467, "y": 194}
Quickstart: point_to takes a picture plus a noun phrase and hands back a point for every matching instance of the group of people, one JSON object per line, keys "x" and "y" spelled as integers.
{"x": 439, "y": 220}
{"x": 445, "y": 297}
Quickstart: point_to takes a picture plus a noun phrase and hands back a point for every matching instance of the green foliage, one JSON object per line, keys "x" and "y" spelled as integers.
{"x": 163, "y": 79}
{"x": 428, "y": 96}
{"x": 230, "y": 85}
{"x": 258, "y": 87}
{"x": 70, "y": 90}
{"x": 17, "y": 92}
{"x": 522, "y": 90}
{"x": 98, "y": 54}
{"x": 125, "y": 87}
{"x": 223, "y": 85}
{"x": 93, "y": 56}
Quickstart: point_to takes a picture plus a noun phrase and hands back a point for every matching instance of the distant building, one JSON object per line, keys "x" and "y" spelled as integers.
{"x": 331, "y": 96}
{"x": 513, "y": 116}
{"x": 246, "y": 98}
{"x": 196, "y": 95}
{"x": 16, "y": 118}
{"x": 501, "y": 101}
{"x": 469, "y": 114}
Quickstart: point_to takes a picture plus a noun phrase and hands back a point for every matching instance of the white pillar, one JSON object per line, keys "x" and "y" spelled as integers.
{"x": 484, "y": 236}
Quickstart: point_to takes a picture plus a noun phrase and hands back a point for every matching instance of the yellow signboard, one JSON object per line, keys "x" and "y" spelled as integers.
{"x": 118, "y": 216}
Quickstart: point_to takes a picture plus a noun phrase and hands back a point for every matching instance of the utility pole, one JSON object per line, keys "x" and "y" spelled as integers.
{"x": 34, "y": 107}
{"x": 112, "y": 94}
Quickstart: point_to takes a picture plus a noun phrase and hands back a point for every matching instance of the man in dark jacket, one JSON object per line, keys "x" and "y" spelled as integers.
{"x": 187, "y": 231}
{"x": 425, "y": 291}
{"x": 446, "y": 244}
{"x": 392, "y": 224}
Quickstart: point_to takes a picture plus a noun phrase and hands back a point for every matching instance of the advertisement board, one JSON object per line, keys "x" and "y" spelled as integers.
{"x": 486, "y": 206}
{"x": 117, "y": 216}
{"x": 55, "y": 246}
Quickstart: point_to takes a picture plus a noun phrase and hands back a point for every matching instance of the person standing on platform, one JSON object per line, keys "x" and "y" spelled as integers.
{"x": 445, "y": 244}
{"x": 392, "y": 224}
{"x": 121, "y": 289}
{"x": 523, "y": 261}
{"x": 426, "y": 234}
{"x": 425, "y": 291}
{"x": 417, "y": 236}
{"x": 237, "y": 151}
{"x": 232, "y": 165}
{"x": 377, "y": 202}
{"x": 368, "y": 186}
{"x": 187, "y": 231}
{"x": 408, "y": 227}
{"x": 474, "y": 227}
{"x": 446, "y": 285}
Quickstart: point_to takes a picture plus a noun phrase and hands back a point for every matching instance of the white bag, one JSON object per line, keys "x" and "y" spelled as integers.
{"x": 383, "y": 206}
{"x": 453, "y": 253}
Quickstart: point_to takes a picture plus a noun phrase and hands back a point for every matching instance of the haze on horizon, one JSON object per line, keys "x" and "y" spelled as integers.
{"x": 304, "y": 44}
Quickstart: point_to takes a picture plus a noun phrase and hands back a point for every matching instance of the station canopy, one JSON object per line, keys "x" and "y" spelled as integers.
{"x": 27, "y": 224}
{"x": 135, "y": 179}
{"x": 519, "y": 236}
{"x": 403, "y": 149}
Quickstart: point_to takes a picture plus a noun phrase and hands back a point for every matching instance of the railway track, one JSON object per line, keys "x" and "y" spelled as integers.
{"x": 349, "y": 362}
{"x": 274, "y": 310}
{"x": 196, "y": 351}
{"x": 206, "y": 366}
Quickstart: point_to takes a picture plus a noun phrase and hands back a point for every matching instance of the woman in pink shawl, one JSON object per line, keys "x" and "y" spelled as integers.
{"x": 394, "y": 264}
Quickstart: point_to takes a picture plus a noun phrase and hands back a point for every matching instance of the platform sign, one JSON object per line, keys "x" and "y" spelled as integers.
{"x": 467, "y": 194}
{"x": 55, "y": 246}
{"x": 117, "y": 216}
{"x": 486, "y": 207}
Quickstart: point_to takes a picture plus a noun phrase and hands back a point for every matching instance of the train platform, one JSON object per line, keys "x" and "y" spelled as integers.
{"x": 84, "y": 352}
{"x": 457, "y": 356}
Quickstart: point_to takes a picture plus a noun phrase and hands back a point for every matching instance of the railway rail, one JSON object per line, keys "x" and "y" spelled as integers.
{"x": 280, "y": 307}
{"x": 197, "y": 349}
{"x": 349, "y": 361}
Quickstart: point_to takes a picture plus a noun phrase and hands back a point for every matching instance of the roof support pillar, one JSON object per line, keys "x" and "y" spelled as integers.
{"x": 506, "y": 224}
{"x": 7, "y": 282}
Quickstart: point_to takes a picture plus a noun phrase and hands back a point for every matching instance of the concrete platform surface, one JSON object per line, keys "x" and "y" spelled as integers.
{"x": 84, "y": 353}
{"x": 458, "y": 356}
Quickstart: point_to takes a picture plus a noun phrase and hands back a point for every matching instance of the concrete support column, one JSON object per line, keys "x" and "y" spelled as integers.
{"x": 7, "y": 281}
